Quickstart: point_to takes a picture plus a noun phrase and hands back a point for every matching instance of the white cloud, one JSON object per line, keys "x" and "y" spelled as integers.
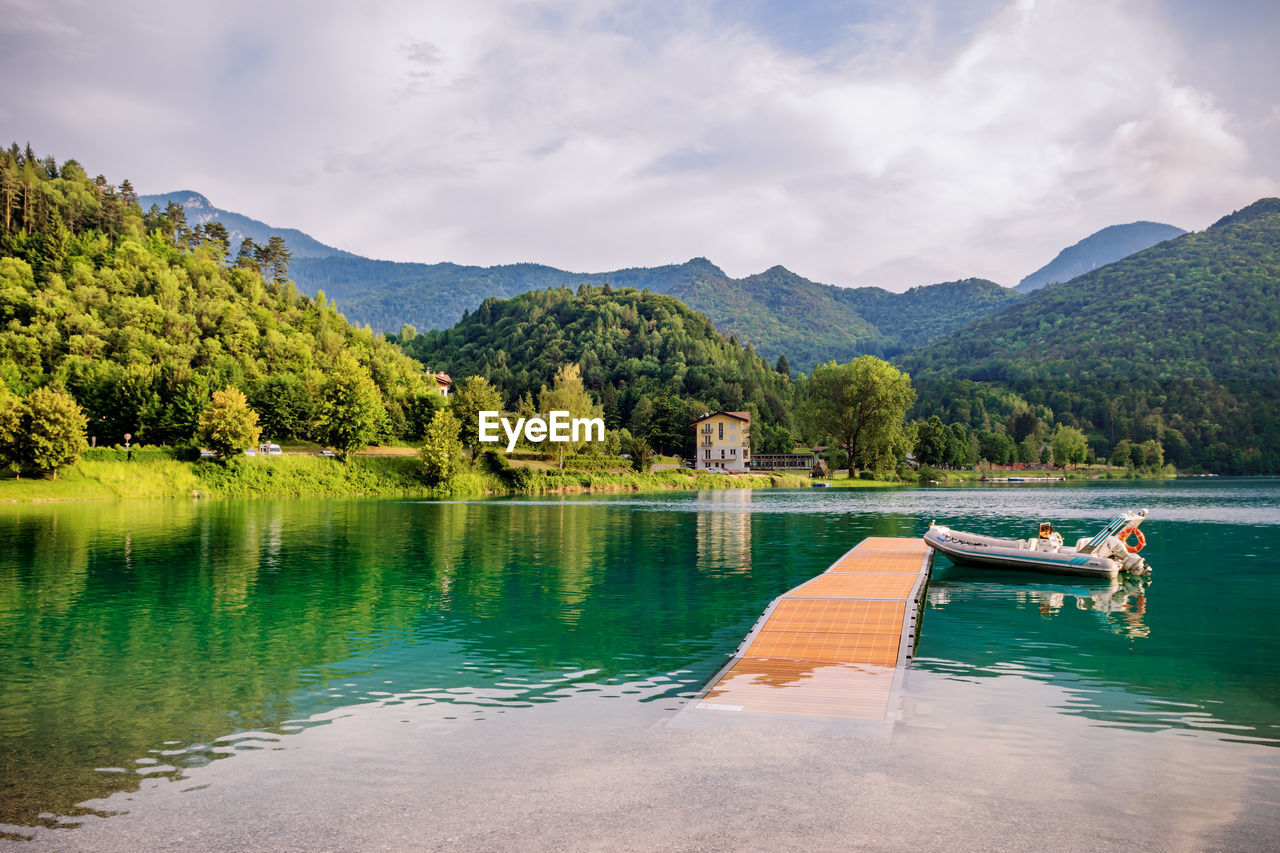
{"x": 593, "y": 135}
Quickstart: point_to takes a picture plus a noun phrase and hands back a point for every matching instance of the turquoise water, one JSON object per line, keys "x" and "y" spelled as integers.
{"x": 143, "y": 642}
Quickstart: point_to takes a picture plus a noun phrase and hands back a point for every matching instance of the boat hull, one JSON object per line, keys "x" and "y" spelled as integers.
{"x": 960, "y": 547}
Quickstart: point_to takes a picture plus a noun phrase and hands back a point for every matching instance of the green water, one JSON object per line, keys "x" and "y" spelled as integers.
{"x": 142, "y": 641}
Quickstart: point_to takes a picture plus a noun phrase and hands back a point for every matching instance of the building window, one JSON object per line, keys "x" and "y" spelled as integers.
{"x": 722, "y": 430}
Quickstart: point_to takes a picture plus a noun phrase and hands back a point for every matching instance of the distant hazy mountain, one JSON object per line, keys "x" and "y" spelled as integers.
{"x": 200, "y": 210}
{"x": 1099, "y": 249}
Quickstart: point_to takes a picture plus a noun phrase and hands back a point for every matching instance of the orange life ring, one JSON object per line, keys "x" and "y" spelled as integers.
{"x": 1133, "y": 531}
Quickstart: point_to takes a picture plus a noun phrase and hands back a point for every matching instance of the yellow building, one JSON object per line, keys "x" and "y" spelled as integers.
{"x": 723, "y": 441}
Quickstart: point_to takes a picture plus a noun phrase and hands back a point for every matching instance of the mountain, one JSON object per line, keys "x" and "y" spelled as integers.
{"x": 776, "y": 311}
{"x": 653, "y": 363}
{"x": 780, "y": 312}
{"x": 388, "y": 294}
{"x": 1179, "y": 342}
{"x": 1097, "y": 250}
{"x": 200, "y": 210}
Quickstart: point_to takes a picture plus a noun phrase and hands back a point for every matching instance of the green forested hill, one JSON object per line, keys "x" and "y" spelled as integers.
{"x": 141, "y": 317}
{"x": 651, "y": 362}
{"x": 1179, "y": 342}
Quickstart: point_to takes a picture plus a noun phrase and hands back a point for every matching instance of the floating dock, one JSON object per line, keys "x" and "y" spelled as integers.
{"x": 836, "y": 646}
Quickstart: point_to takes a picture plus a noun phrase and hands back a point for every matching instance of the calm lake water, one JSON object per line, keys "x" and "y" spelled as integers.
{"x": 501, "y": 673}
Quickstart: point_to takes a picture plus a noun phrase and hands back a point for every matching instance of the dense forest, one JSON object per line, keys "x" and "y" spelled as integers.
{"x": 1179, "y": 343}
{"x": 651, "y": 362}
{"x": 141, "y": 316}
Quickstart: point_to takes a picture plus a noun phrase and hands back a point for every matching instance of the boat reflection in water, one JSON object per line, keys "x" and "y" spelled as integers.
{"x": 1119, "y": 604}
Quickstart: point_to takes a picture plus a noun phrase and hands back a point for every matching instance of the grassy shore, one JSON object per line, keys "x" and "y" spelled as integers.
{"x": 393, "y": 472}
{"x": 153, "y": 473}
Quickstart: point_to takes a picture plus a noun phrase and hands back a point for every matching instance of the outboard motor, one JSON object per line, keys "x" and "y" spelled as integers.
{"x": 1134, "y": 564}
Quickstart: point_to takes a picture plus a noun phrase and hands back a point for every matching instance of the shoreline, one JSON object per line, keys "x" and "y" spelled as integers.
{"x": 153, "y": 474}
{"x": 362, "y": 477}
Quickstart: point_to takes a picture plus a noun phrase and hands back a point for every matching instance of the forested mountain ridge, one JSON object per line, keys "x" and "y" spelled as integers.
{"x": 777, "y": 311}
{"x": 1097, "y": 250}
{"x": 389, "y": 294}
{"x": 200, "y": 211}
{"x": 140, "y": 318}
{"x": 780, "y": 312}
{"x": 1179, "y": 342}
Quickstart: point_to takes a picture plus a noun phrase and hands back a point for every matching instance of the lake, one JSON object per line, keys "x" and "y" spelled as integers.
{"x": 504, "y": 673}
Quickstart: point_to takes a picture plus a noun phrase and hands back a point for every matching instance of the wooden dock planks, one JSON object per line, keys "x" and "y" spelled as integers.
{"x": 834, "y": 646}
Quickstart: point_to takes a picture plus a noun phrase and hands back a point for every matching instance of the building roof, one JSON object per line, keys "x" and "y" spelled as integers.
{"x": 742, "y": 416}
{"x": 443, "y": 378}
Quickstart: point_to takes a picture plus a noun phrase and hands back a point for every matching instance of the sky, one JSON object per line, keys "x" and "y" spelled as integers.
{"x": 855, "y": 143}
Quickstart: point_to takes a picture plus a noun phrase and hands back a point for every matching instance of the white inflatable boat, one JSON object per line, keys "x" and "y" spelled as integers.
{"x": 1105, "y": 554}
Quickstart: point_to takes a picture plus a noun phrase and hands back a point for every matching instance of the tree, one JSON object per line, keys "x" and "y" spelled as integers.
{"x": 351, "y": 411}
{"x": 568, "y": 394}
{"x": 1069, "y": 445}
{"x": 641, "y": 455}
{"x": 1152, "y": 453}
{"x": 472, "y": 396}
{"x": 1121, "y": 454}
{"x": 11, "y": 411}
{"x": 960, "y": 449}
{"x": 273, "y": 259}
{"x": 1023, "y": 423}
{"x": 931, "y": 441}
{"x": 215, "y": 234}
{"x": 862, "y": 406}
{"x": 783, "y": 366}
{"x": 441, "y": 449}
{"x": 51, "y": 431}
{"x": 227, "y": 424}
{"x": 247, "y": 256}
{"x": 996, "y": 447}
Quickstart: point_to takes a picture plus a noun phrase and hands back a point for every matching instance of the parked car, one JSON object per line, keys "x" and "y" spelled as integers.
{"x": 328, "y": 454}
{"x": 249, "y": 451}
{"x": 268, "y": 448}
{"x": 206, "y": 453}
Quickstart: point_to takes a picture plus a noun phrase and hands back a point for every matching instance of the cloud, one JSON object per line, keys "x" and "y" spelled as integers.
{"x": 868, "y": 146}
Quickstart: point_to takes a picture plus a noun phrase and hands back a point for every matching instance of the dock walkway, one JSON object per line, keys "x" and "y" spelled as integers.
{"x": 836, "y": 645}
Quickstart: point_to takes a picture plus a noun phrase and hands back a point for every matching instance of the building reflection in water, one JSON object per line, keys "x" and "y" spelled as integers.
{"x": 724, "y": 531}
